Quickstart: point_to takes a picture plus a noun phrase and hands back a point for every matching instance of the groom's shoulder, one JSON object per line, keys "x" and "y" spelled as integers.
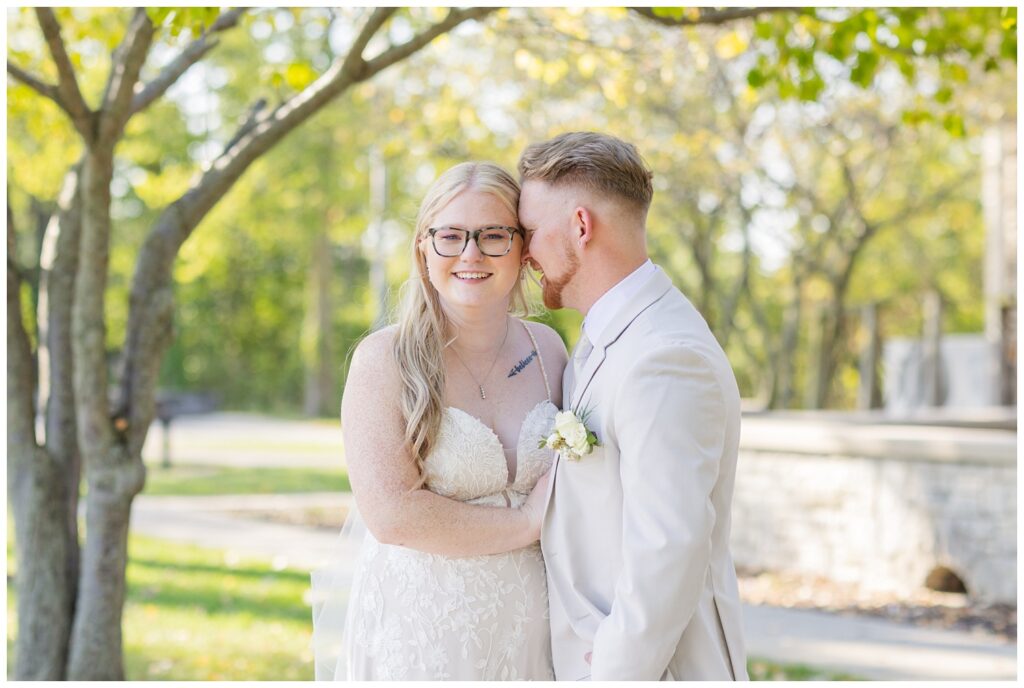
{"x": 674, "y": 322}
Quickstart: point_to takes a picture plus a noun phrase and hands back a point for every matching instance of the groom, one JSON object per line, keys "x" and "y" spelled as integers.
{"x": 636, "y": 534}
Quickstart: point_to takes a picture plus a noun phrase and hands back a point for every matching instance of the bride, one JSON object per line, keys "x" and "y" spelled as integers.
{"x": 442, "y": 414}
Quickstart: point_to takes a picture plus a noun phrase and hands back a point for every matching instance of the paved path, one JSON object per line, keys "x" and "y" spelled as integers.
{"x": 875, "y": 648}
{"x": 869, "y": 648}
{"x": 248, "y": 439}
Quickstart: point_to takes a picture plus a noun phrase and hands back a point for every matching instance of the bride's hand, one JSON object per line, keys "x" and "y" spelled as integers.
{"x": 533, "y": 507}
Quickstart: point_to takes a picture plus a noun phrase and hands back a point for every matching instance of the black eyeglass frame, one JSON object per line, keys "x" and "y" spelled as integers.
{"x": 475, "y": 236}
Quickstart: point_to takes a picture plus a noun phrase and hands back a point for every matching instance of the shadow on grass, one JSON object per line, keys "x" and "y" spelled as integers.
{"x": 198, "y": 480}
{"x": 222, "y": 596}
{"x": 225, "y": 570}
{"x": 219, "y": 603}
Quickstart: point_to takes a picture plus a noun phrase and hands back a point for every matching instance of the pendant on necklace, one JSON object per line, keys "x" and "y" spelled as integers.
{"x": 482, "y": 395}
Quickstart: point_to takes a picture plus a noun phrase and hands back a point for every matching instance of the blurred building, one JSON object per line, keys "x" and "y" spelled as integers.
{"x": 999, "y": 199}
{"x": 970, "y": 371}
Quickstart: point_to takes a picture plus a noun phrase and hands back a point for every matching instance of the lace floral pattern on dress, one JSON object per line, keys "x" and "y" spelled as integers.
{"x": 427, "y": 616}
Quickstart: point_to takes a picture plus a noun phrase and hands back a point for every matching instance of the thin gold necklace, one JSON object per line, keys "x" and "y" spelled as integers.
{"x": 483, "y": 394}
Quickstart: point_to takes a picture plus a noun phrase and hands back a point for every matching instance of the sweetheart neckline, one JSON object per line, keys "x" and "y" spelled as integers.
{"x": 501, "y": 445}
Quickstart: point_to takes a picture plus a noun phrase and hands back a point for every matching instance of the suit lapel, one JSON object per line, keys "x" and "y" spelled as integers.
{"x": 654, "y": 288}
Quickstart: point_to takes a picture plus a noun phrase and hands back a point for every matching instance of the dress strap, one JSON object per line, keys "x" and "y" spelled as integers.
{"x": 540, "y": 359}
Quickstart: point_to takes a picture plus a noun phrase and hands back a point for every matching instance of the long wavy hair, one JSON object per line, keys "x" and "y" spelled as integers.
{"x": 423, "y": 328}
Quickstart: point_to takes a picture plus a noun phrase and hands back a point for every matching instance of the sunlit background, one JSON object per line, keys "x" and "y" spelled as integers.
{"x": 835, "y": 190}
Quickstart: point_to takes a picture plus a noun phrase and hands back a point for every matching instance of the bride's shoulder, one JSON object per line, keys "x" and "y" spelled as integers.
{"x": 548, "y": 339}
{"x": 372, "y": 360}
{"x": 377, "y": 342}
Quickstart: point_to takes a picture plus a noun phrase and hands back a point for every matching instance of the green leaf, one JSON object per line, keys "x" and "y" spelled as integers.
{"x": 863, "y": 72}
{"x": 957, "y": 72}
{"x": 914, "y": 117}
{"x": 954, "y": 124}
{"x": 811, "y": 88}
{"x": 756, "y": 78}
{"x": 763, "y": 30}
{"x": 157, "y": 15}
{"x": 298, "y": 75}
{"x": 674, "y": 13}
{"x": 787, "y": 89}
{"x": 1009, "y": 20}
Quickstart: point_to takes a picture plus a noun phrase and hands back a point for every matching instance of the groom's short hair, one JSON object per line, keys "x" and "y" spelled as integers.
{"x": 595, "y": 161}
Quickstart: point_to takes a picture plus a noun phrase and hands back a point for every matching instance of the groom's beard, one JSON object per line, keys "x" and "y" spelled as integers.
{"x": 552, "y": 293}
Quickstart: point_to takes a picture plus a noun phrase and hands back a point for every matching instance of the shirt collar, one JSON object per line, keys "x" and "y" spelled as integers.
{"x": 604, "y": 309}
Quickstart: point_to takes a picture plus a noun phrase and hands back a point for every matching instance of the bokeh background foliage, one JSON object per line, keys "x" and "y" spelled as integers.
{"x": 806, "y": 163}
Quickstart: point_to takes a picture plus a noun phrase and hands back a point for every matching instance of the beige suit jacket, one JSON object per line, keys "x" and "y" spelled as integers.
{"x": 635, "y": 535}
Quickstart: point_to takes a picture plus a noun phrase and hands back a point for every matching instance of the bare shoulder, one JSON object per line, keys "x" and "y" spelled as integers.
{"x": 373, "y": 365}
{"x": 549, "y": 341}
{"x": 376, "y": 348}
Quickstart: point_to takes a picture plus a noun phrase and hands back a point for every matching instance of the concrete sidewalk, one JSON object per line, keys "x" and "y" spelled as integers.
{"x": 248, "y": 439}
{"x": 864, "y": 647}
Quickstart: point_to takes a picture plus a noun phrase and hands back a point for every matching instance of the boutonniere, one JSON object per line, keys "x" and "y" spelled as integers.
{"x": 570, "y": 436}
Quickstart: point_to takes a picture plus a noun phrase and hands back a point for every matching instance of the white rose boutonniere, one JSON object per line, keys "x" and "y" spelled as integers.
{"x": 570, "y": 436}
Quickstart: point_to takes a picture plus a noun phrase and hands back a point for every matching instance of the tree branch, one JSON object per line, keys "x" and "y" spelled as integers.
{"x": 150, "y": 309}
{"x": 709, "y": 16}
{"x": 145, "y": 94}
{"x": 71, "y": 99}
{"x": 400, "y": 52}
{"x": 354, "y": 63}
{"x": 38, "y": 85}
{"x": 124, "y": 74}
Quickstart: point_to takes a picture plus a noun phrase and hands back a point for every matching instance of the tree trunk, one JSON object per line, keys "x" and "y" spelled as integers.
{"x": 114, "y": 476}
{"x": 43, "y": 581}
{"x": 96, "y": 647}
{"x": 318, "y": 348}
{"x": 816, "y": 349}
{"x": 868, "y": 392}
{"x": 783, "y": 397}
{"x": 36, "y": 493}
{"x": 108, "y": 440}
{"x": 58, "y": 263}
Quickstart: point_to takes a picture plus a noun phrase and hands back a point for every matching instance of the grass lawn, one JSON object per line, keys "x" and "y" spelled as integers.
{"x": 195, "y": 480}
{"x": 765, "y": 670}
{"x": 199, "y": 614}
{"x": 192, "y": 615}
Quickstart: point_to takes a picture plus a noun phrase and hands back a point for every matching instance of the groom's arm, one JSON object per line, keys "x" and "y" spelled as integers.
{"x": 669, "y": 421}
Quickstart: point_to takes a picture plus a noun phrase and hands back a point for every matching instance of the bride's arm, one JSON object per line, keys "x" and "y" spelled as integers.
{"x": 382, "y": 473}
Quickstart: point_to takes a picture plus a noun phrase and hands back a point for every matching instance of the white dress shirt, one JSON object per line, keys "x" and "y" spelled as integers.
{"x": 605, "y": 307}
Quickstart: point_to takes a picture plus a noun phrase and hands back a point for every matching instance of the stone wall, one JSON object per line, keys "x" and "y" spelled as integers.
{"x": 880, "y": 505}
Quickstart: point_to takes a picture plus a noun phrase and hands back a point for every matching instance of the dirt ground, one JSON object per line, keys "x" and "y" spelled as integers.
{"x": 924, "y": 607}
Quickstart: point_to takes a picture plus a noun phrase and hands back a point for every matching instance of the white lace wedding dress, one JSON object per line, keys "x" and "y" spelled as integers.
{"x": 418, "y": 616}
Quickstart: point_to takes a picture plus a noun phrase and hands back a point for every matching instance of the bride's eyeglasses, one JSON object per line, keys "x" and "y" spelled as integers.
{"x": 494, "y": 240}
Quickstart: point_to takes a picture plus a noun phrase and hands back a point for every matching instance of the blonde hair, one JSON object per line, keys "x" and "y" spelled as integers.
{"x": 598, "y": 162}
{"x": 423, "y": 328}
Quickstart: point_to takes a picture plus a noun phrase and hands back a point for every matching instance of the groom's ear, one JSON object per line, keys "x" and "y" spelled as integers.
{"x": 583, "y": 226}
